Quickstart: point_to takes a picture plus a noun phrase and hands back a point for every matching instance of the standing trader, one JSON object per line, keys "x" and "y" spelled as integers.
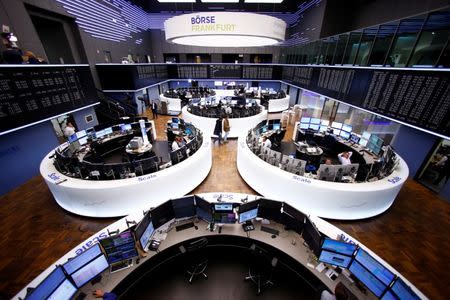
{"x": 218, "y": 130}
{"x": 154, "y": 109}
{"x": 226, "y": 128}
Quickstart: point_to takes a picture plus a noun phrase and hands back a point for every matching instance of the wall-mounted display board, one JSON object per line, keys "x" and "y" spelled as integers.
{"x": 417, "y": 97}
{"x": 29, "y": 94}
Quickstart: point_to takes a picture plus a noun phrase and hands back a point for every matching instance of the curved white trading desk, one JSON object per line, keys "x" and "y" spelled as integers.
{"x": 237, "y": 125}
{"x": 112, "y": 198}
{"x": 173, "y": 104}
{"x": 333, "y": 200}
{"x": 284, "y": 243}
{"x": 278, "y": 105}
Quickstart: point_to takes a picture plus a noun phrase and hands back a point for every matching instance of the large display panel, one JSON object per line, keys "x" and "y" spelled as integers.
{"x": 162, "y": 214}
{"x": 90, "y": 271}
{"x": 369, "y": 280}
{"x": 53, "y": 284}
{"x": 82, "y": 259}
{"x": 312, "y": 237}
{"x": 34, "y": 93}
{"x": 335, "y": 259}
{"x": 144, "y": 230}
{"x": 184, "y": 207}
{"x": 376, "y": 268}
{"x": 339, "y": 247}
{"x": 119, "y": 247}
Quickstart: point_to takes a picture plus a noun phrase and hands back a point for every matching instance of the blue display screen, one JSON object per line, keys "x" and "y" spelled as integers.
{"x": 120, "y": 247}
{"x": 82, "y": 259}
{"x": 335, "y": 259}
{"x": 370, "y": 281}
{"x": 339, "y": 247}
{"x": 175, "y": 120}
{"x": 48, "y": 285}
{"x": 323, "y": 128}
{"x": 146, "y": 235}
{"x": 388, "y": 296}
{"x": 375, "y": 267}
{"x": 108, "y": 130}
{"x": 344, "y": 135}
{"x": 223, "y": 207}
{"x": 125, "y": 127}
{"x": 347, "y": 128}
{"x": 315, "y": 121}
{"x": 89, "y": 271}
{"x": 354, "y": 138}
{"x": 403, "y": 291}
{"x": 304, "y": 125}
{"x": 65, "y": 291}
{"x": 314, "y": 127}
{"x": 248, "y": 215}
{"x": 305, "y": 120}
{"x": 204, "y": 214}
{"x": 276, "y": 126}
{"x": 336, "y": 125}
{"x": 73, "y": 138}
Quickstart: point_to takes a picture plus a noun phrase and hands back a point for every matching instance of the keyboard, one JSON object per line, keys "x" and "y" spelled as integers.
{"x": 184, "y": 226}
{"x": 270, "y": 230}
{"x": 248, "y": 227}
{"x": 121, "y": 265}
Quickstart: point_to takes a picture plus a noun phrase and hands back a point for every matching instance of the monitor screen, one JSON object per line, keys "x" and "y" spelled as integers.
{"x": 89, "y": 271}
{"x": 362, "y": 142}
{"x": 347, "y": 127}
{"x": 203, "y": 209}
{"x": 223, "y": 207}
{"x": 82, "y": 259}
{"x": 144, "y": 230}
{"x": 119, "y": 247}
{"x": 224, "y": 217}
{"x": 304, "y": 125}
{"x": 338, "y": 246}
{"x": 218, "y": 83}
{"x": 312, "y": 237}
{"x": 100, "y": 134}
{"x": 175, "y": 126}
{"x": 374, "y": 267}
{"x": 314, "y": 127}
{"x": 108, "y": 130}
{"x": 270, "y": 209}
{"x": 248, "y": 215}
{"x": 315, "y": 121}
{"x": 336, "y": 125}
{"x": 402, "y": 290}
{"x": 305, "y": 120}
{"x": 389, "y": 296}
{"x": 276, "y": 126}
{"x": 65, "y": 291}
{"x": 366, "y": 135}
{"x": 125, "y": 127}
{"x": 325, "y": 123}
{"x": 48, "y": 285}
{"x": 336, "y": 132}
{"x": 323, "y": 128}
{"x": 354, "y": 138}
{"x": 264, "y": 129}
{"x": 184, "y": 207}
{"x": 81, "y": 133}
{"x": 370, "y": 281}
{"x": 175, "y": 120}
{"x": 335, "y": 259}
{"x": 83, "y": 140}
{"x": 344, "y": 134}
{"x": 73, "y": 138}
{"x": 162, "y": 214}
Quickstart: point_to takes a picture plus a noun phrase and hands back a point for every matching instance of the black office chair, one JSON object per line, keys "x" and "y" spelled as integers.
{"x": 196, "y": 260}
{"x": 261, "y": 268}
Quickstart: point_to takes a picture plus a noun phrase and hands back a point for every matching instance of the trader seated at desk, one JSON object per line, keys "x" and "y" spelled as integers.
{"x": 344, "y": 157}
{"x": 178, "y": 143}
{"x": 266, "y": 142}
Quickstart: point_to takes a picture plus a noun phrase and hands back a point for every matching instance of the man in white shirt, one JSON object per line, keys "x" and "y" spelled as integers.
{"x": 344, "y": 157}
{"x": 69, "y": 130}
{"x": 177, "y": 143}
{"x": 266, "y": 142}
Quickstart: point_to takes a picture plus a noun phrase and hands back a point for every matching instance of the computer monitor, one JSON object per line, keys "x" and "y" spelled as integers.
{"x": 74, "y": 264}
{"x": 248, "y": 215}
{"x": 55, "y": 283}
{"x": 66, "y": 290}
{"x": 335, "y": 259}
{"x": 363, "y": 142}
{"x": 90, "y": 271}
{"x": 374, "y": 267}
{"x": 100, "y": 134}
{"x": 304, "y": 125}
{"x": 344, "y": 134}
{"x": 83, "y": 140}
{"x": 175, "y": 120}
{"x": 276, "y": 126}
{"x": 347, "y": 128}
{"x": 315, "y": 121}
{"x": 223, "y": 207}
{"x": 336, "y": 125}
{"x": 73, "y": 138}
{"x": 314, "y": 127}
{"x": 184, "y": 207}
{"x": 175, "y": 125}
{"x": 119, "y": 247}
{"x": 162, "y": 214}
{"x": 339, "y": 247}
{"x": 354, "y": 138}
{"x": 270, "y": 209}
{"x": 292, "y": 219}
{"x": 368, "y": 279}
{"x": 292, "y": 211}
{"x": 81, "y": 133}
{"x": 402, "y": 290}
{"x": 312, "y": 237}
{"x": 366, "y": 135}
{"x": 203, "y": 209}
{"x": 325, "y": 123}
{"x": 323, "y": 128}
{"x": 125, "y": 127}
{"x": 144, "y": 230}
{"x": 108, "y": 130}
{"x": 264, "y": 129}
{"x": 305, "y": 120}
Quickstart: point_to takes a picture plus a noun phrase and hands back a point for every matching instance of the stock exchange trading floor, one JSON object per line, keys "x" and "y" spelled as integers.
{"x": 226, "y": 270}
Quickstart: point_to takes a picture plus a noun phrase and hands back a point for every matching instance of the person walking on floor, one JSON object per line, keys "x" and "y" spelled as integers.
{"x": 226, "y": 128}
{"x": 154, "y": 109}
{"x": 218, "y": 130}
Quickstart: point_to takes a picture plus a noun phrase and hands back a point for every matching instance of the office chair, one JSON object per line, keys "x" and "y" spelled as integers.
{"x": 196, "y": 261}
{"x": 262, "y": 265}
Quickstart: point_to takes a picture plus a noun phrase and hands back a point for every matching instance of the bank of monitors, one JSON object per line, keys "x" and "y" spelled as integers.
{"x": 270, "y": 209}
{"x": 305, "y": 120}
{"x": 400, "y": 290}
{"x": 304, "y": 126}
{"x": 312, "y": 237}
{"x": 323, "y": 128}
{"x": 314, "y": 127}
{"x": 354, "y": 138}
{"x": 184, "y": 207}
{"x": 274, "y": 122}
{"x": 162, "y": 214}
{"x": 144, "y": 231}
{"x": 224, "y": 213}
{"x": 315, "y": 121}
{"x": 120, "y": 247}
{"x": 347, "y": 128}
{"x": 371, "y": 273}
{"x": 203, "y": 209}
{"x": 248, "y": 211}
{"x": 336, "y": 125}
{"x": 337, "y": 253}
{"x": 125, "y": 127}
{"x": 364, "y": 138}
{"x": 344, "y": 134}
{"x": 292, "y": 219}
{"x": 374, "y": 145}
{"x": 326, "y": 172}
{"x": 54, "y": 286}
{"x": 86, "y": 265}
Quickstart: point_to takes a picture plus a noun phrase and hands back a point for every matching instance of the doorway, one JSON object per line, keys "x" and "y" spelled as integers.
{"x": 436, "y": 170}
